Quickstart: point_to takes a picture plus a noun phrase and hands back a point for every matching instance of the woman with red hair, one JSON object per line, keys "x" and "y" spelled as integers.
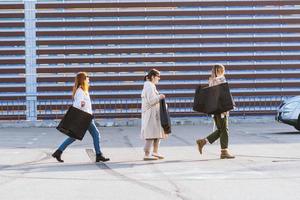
{"x": 82, "y": 101}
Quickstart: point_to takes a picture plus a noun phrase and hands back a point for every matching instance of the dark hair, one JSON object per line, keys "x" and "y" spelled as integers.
{"x": 151, "y": 73}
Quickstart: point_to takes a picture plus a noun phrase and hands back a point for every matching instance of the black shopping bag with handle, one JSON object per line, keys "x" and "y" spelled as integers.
{"x": 213, "y": 100}
{"x": 75, "y": 123}
{"x": 165, "y": 117}
{"x": 198, "y": 100}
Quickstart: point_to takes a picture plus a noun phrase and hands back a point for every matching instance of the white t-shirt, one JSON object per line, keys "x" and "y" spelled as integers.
{"x": 81, "y": 96}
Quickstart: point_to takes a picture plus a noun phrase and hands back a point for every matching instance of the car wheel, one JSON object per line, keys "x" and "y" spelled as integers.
{"x": 297, "y": 126}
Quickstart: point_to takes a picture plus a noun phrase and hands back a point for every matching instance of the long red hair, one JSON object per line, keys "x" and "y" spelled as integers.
{"x": 81, "y": 81}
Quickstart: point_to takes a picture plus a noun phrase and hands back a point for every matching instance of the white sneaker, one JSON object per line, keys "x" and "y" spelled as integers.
{"x": 150, "y": 158}
{"x": 157, "y": 155}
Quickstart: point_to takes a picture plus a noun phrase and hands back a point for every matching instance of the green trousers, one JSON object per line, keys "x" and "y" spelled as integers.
{"x": 221, "y": 132}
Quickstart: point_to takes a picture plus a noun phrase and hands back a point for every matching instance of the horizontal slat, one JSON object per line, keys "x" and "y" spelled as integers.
{"x": 137, "y": 105}
{"x": 13, "y": 98}
{"x": 169, "y": 40}
{"x": 171, "y": 77}
{"x": 167, "y": 31}
{"x": 143, "y": 68}
{"x": 11, "y": 24}
{"x": 12, "y": 117}
{"x": 169, "y": 95}
{"x": 12, "y": 33}
{"x": 12, "y": 89}
{"x": 136, "y": 4}
{"x": 12, "y": 52}
{"x": 173, "y": 87}
{"x": 12, "y": 61}
{"x": 167, "y": 50}
{"x": 12, "y": 43}
{"x": 176, "y": 13}
{"x": 14, "y": 107}
{"x": 168, "y": 22}
{"x": 158, "y": 59}
{"x": 11, "y": 15}
{"x": 104, "y": 115}
{"x": 12, "y": 70}
{"x": 6, "y": 6}
{"x": 12, "y": 80}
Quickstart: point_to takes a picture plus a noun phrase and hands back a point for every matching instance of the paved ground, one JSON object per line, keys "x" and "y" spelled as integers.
{"x": 266, "y": 167}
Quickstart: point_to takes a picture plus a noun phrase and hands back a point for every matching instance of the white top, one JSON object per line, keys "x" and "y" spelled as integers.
{"x": 79, "y": 97}
{"x": 216, "y": 81}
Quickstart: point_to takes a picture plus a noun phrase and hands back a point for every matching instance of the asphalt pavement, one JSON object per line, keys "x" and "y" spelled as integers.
{"x": 267, "y": 165}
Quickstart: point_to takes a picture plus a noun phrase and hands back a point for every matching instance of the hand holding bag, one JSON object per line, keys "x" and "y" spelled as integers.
{"x": 75, "y": 123}
{"x": 213, "y": 100}
{"x": 165, "y": 117}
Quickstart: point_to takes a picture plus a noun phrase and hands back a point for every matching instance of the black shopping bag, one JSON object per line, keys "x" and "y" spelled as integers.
{"x": 198, "y": 100}
{"x": 165, "y": 117}
{"x": 75, "y": 123}
{"x": 213, "y": 100}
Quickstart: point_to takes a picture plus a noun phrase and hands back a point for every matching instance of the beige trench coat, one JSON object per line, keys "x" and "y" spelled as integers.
{"x": 151, "y": 126}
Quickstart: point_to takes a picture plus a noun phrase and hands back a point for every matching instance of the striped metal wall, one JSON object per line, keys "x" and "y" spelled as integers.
{"x": 12, "y": 62}
{"x": 117, "y": 42}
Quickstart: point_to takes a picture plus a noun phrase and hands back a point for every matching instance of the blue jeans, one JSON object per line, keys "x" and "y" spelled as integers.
{"x": 94, "y": 133}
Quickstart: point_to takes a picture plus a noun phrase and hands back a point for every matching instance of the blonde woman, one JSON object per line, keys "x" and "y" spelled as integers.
{"x": 151, "y": 131}
{"x": 82, "y": 101}
{"x": 221, "y": 120}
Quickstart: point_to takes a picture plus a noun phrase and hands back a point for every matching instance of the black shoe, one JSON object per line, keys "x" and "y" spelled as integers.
{"x": 100, "y": 157}
{"x": 57, "y": 155}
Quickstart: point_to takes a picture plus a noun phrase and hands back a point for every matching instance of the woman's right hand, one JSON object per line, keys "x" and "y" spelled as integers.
{"x": 162, "y": 96}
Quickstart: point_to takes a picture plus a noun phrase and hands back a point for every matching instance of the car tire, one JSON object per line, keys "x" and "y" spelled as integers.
{"x": 297, "y": 126}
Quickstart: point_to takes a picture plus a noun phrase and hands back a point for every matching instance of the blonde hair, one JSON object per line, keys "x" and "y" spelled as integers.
{"x": 217, "y": 70}
{"x": 81, "y": 81}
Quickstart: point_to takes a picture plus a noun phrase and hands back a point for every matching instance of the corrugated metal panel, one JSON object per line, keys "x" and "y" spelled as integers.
{"x": 12, "y": 61}
{"x": 118, "y": 41}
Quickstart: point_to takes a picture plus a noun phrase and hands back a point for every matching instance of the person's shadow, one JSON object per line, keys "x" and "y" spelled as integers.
{"x": 286, "y": 133}
{"x": 54, "y": 166}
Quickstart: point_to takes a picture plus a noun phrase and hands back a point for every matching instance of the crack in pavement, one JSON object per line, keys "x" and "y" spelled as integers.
{"x": 104, "y": 166}
{"x": 21, "y": 174}
{"x": 116, "y": 174}
{"x": 177, "y": 190}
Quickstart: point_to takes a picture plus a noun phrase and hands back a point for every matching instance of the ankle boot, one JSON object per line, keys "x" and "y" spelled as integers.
{"x": 226, "y": 155}
{"x": 201, "y": 144}
{"x": 100, "y": 157}
{"x": 57, "y": 155}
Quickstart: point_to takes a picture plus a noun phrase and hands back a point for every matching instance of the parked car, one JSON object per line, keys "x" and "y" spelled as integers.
{"x": 289, "y": 112}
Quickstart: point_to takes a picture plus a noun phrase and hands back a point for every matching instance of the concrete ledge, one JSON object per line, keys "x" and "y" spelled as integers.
{"x": 137, "y": 122}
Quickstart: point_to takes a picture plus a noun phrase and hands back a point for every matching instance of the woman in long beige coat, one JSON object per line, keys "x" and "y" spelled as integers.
{"x": 152, "y": 130}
